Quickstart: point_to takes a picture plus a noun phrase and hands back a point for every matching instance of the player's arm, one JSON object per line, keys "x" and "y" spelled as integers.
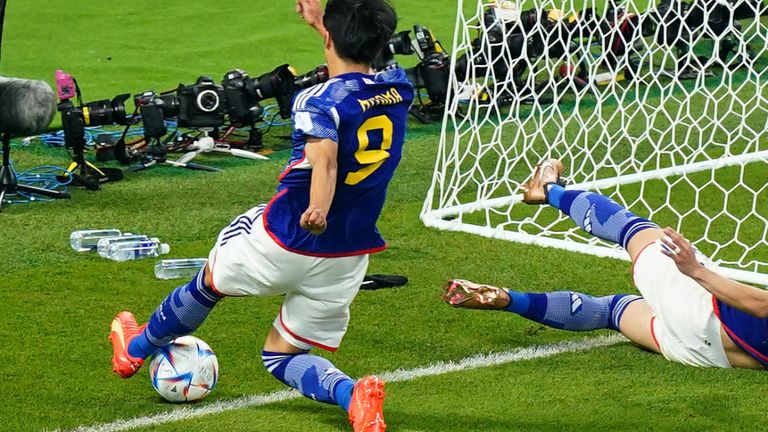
{"x": 312, "y": 12}
{"x": 321, "y": 154}
{"x": 749, "y": 299}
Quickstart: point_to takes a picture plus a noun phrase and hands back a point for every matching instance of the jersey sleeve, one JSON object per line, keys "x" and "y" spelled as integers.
{"x": 315, "y": 119}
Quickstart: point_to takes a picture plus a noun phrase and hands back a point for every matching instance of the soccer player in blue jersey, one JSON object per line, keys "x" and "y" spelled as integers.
{"x": 688, "y": 312}
{"x": 311, "y": 241}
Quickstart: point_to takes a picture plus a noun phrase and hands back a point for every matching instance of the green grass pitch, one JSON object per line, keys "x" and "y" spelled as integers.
{"x": 56, "y": 305}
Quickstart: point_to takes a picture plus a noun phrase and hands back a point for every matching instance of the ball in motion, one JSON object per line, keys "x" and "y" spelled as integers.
{"x": 185, "y": 370}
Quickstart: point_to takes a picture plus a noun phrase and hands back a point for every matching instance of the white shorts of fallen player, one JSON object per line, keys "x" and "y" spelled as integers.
{"x": 684, "y": 325}
{"x": 318, "y": 291}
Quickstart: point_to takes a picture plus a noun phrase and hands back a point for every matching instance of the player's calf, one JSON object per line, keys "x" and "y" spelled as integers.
{"x": 180, "y": 314}
{"x": 594, "y": 213}
{"x": 313, "y": 376}
{"x": 318, "y": 379}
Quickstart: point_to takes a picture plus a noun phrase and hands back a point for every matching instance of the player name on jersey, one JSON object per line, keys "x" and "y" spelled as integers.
{"x": 391, "y": 97}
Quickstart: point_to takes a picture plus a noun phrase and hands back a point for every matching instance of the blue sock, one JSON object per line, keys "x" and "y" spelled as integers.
{"x": 598, "y": 214}
{"x": 180, "y": 314}
{"x": 313, "y": 376}
{"x": 569, "y": 310}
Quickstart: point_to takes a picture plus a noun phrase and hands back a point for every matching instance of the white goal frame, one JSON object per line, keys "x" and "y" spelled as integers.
{"x": 445, "y": 209}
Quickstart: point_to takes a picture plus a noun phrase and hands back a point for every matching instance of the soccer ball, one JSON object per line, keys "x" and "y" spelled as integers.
{"x": 185, "y": 370}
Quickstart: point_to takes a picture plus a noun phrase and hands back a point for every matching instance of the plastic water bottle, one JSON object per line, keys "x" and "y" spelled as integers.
{"x": 136, "y": 249}
{"x": 179, "y": 268}
{"x": 86, "y": 240}
{"x": 103, "y": 244}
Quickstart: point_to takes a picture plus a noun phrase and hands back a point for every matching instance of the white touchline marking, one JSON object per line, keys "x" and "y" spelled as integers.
{"x": 439, "y": 368}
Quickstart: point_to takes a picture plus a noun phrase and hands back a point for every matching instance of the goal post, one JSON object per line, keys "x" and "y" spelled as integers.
{"x": 662, "y": 107}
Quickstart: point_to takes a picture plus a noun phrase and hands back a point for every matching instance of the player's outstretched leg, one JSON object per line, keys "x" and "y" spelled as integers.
{"x": 181, "y": 313}
{"x": 317, "y": 378}
{"x": 595, "y": 213}
{"x": 566, "y": 310}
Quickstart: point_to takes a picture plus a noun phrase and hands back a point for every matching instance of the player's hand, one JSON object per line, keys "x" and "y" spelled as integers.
{"x": 312, "y": 13}
{"x": 681, "y": 251}
{"x": 313, "y": 220}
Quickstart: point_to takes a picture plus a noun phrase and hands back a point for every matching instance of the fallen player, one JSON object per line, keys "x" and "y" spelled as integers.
{"x": 688, "y": 312}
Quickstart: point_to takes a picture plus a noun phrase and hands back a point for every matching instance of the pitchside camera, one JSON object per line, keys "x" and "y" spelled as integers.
{"x": 241, "y": 104}
{"x": 201, "y": 104}
{"x": 75, "y": 118}
{"x": 283, "y": 82}
{"x": 154, "y": 109}
{"x": 244, "y": 93}
{"x": 679, "y": 24}
{"x": 432, "y": 72}
{"x": 204, "y": 104}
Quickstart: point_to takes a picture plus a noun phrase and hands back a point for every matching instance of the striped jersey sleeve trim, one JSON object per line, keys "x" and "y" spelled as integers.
{"x": 301, "y": 100}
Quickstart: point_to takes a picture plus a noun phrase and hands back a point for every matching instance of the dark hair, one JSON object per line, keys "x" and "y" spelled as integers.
{"x": 359, "y": 29}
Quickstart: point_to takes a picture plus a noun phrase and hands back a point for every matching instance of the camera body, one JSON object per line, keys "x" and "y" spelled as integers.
{"x": 432, "y": 73}
{"x": 154, "y": 109}
{"x": 201, "y": 105}
{"x": 241, "y": 105}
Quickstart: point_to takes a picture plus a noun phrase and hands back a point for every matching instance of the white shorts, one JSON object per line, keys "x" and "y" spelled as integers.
{"x": 684, "y": 325}
{"x": 318, "y": 291}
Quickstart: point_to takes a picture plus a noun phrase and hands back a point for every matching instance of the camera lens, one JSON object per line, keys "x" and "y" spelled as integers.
{"x": 400, "y": 43}
{"x": 169, "y": 104}
{"x": 105, "y": 112}
{"x": 273, "y": 84}
{"x": 313, "y": 77}
{"x": 97, "y": 113}
{"x": 208, "y": 101}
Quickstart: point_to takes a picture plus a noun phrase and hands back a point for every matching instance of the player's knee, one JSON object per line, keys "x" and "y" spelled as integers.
{"x": 276, "y": 363}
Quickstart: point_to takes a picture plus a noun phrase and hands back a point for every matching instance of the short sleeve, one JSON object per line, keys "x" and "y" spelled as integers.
{"x": 314, "y": 119}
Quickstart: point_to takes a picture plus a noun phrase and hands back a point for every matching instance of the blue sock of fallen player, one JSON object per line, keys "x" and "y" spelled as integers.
{"x": 598, "y": 214}
{"x": 569, "y": 310}
{"x": 313, "y": 376}
{"x": 181, "y": 313}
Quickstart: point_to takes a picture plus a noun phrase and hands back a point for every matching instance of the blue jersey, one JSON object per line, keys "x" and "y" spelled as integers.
{"x": 366, "y": 115}
{"x": 749, "y": 332}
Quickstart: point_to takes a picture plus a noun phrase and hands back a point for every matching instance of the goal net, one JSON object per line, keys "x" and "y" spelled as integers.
{"x": 662, "y": 107}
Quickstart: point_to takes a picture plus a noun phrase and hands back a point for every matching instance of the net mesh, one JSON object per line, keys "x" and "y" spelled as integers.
{"x": 662, "y": 107}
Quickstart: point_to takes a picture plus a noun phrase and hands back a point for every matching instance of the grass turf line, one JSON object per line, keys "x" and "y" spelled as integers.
{"x": 400, "y": 375}
{"x": 56, "y": 305}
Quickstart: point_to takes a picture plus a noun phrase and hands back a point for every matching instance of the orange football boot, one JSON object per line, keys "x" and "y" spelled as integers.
{"x": 365, "y": 409}
{"x": 124, "y": 328}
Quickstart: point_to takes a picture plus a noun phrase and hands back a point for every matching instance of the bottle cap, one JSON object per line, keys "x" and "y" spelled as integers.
{"x": 164, "y": 248}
